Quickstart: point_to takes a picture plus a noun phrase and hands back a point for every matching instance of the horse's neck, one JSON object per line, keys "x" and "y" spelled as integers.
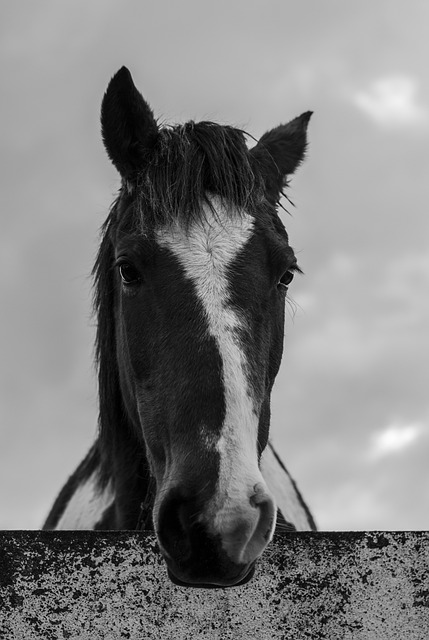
{"x": 102, "y": 493}
{"x": 286, "y": 494}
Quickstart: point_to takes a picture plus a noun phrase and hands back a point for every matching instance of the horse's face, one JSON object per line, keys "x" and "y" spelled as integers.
{"x": 199, "y": 314}
{"x": 199, "y": 334}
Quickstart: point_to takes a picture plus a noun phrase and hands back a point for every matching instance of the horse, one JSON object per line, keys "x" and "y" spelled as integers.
{"x": 190, "y": 282}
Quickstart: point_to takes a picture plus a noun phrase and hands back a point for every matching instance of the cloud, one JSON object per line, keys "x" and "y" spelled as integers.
{"x": 392, "y": 101}
{"x": 393, "y": 439}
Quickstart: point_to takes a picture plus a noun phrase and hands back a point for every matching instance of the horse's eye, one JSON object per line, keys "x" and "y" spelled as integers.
{"x": 286, "y": 279}
{"x": 128, "y": 273}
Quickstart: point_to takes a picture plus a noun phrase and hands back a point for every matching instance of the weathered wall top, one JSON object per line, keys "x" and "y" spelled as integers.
{"x": 113, "y": 585}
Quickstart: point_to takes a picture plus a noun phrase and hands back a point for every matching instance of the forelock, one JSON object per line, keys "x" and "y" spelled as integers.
{"x": 188, "y": 165}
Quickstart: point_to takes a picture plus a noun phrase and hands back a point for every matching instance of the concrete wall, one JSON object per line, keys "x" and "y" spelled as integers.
{"x": 113, "y": 585}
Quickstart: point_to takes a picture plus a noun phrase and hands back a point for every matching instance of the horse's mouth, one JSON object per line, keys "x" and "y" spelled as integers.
{"x": 216, "y": 583}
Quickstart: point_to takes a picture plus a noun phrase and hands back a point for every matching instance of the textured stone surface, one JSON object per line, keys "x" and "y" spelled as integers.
{"x": 113, "y": 585}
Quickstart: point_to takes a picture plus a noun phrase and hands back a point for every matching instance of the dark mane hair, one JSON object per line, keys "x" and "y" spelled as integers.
{"x": 112, "y": 419}
{"x": 188, "y": 163}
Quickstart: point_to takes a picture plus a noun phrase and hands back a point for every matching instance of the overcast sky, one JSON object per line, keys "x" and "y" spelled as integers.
{"x": 351, "y": 407}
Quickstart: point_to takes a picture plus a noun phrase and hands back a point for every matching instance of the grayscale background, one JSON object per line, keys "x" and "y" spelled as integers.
{"x": 351, "y": 406}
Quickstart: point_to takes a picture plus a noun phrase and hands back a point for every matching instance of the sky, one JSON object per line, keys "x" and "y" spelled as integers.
{"x": 350, "y": 410}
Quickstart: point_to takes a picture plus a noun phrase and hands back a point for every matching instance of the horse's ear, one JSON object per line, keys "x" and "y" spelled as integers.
{"x": 128, "y": 125}
{"x": 280, "y": 151}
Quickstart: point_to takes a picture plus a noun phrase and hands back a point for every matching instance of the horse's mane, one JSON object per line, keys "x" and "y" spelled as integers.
{"x": 187, "y": 164}
{"x": 113, "y": 423}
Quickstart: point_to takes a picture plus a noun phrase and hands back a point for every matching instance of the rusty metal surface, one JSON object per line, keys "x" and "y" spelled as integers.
{"x": 113, "y": 585}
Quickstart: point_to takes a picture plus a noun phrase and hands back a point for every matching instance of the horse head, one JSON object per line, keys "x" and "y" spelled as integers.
{"x": 195, "y": 263}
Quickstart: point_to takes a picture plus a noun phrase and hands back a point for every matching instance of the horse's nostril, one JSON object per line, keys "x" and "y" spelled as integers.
{"x": 260, "y": 495}
{"x": 262, "y": 500}
{"x": 174, "y": 523}
{"x": 245, "y": 536}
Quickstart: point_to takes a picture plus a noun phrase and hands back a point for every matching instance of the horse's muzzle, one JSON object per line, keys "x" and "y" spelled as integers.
{"x": 216, "y": 552}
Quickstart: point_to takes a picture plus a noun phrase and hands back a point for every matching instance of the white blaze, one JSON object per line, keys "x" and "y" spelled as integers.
{"x": 206, "y": 250}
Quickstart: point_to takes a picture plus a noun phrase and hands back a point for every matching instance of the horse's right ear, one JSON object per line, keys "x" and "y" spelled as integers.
{"x": 128, "y": 125}
{"x": 280, "y": 152}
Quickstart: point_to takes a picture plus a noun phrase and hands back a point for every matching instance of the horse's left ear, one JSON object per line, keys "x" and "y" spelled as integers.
{"x": 128, "y": 125}
{"x": 280, "y": 151}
